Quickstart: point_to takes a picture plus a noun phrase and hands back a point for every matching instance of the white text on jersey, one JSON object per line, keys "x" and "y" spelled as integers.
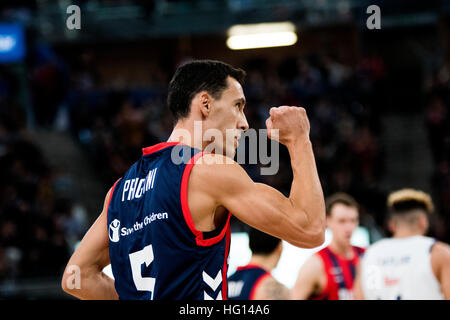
{"x": 137, "y": 187}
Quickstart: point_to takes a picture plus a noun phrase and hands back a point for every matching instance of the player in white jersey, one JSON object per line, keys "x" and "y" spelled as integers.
{"x": 408, "y": 266}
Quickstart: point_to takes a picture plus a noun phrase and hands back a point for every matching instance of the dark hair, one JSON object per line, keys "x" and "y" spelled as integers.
{"x": 262, "y": 243}
{"x": 406, "y": 206}
{"x": 342, "y": 198}
{"x": 196, "y": 76}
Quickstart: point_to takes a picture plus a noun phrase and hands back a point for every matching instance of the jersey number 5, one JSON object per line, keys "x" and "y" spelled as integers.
{"x": 136, "y": 260}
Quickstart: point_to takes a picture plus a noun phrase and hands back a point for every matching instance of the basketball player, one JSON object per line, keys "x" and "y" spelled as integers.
{"x": 254, "y": 281}
{"x": 329, "y": 274}
{"x": 409, "y": 265}
{"x": 165, "y": 224}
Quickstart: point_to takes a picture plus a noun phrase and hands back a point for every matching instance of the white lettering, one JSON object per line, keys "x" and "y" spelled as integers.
{"x": 74, "y": 20}
{"x": 374, "y": 20}
{"x": 154, "y": 175}
{"x": 149, "y": 180}
{"x": 140, "y": 189}
{"x": 235, "y": 288}
{"x": 132, "y": 189}
{"x": 125, "y": 189}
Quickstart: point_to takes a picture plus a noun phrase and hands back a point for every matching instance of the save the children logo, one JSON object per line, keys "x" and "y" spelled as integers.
{"x": 114, "y": 230}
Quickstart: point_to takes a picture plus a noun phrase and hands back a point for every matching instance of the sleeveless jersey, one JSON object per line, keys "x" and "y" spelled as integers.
{"x": 340, "y": 274}
{"x": 243, "y": 283}
{"x": 400, "y": 268}
{"x": 155, "y": 250}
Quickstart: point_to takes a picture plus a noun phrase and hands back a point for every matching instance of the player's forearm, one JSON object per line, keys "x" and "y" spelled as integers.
{"x": 306, "y": 190}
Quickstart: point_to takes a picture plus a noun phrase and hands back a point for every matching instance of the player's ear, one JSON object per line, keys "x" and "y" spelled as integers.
{"x": 391, "y": 225}
{"x": 279, "y": 249}
{"x": 423, "y": 223}
{"x": 327, "y": 221}
{"x": 280, "y": 246}
{"x": 204, "y": 103}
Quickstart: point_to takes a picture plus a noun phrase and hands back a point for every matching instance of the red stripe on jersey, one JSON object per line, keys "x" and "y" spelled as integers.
{"x": 110, "y": 196}
{"x": 330, "y": 290}
{"x": 332, "y": 285}
{"x": 346, "y": 273}
{"x": 187, "y": 213}
{"x": 225, "y": 263}
{"x": 157, "y": 147}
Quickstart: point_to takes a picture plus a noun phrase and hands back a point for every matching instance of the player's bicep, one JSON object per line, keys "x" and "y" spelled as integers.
{"x": 440, "y": 262}
{"x": 256, "y": 204}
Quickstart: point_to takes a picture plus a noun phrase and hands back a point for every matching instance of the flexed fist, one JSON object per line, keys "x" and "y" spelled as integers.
{"x": 292, "y": 124}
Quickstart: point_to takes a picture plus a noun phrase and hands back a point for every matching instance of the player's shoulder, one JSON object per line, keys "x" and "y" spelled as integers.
{"x": 379, "y": 244}
{"x": 376, "y": 248}
{"x": 441, "y": 250}
{"x": 314, "y": 264}
{"x": 214, "y": 160}
{"x": 221, "y": 170}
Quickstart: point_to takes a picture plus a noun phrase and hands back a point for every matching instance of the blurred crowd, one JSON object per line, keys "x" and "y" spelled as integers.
{"x": 438, "y": 125}
{"x": 112, "y": 119}
{"x": 38, "y": 220}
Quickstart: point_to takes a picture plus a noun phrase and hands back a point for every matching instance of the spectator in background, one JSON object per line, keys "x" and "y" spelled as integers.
{"x": 329, "y": 273}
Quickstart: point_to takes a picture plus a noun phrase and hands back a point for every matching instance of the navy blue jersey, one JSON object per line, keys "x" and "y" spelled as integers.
{"x": 244, "y": 281}
{"x": 155, "y": 250}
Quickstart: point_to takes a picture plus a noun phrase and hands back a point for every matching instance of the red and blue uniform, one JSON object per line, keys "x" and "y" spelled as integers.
{"x": 155, "y": 250}
{"x": 243, "y": 283}
{"x": 340, "y": 274}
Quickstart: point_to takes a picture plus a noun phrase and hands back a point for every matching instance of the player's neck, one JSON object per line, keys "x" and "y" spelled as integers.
{"x": 265, "y": 262}
{"x": 342, "y": 249}
{"x": 186, "y": 133}
{"x": 406, "y": 233}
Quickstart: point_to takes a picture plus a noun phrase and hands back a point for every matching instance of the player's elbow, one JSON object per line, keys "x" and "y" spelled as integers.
{"x": 315, "y": 238}
{"x": 312, "y": 236}
{"x": 71, "y": 279}
{"x": 65, "y": 286}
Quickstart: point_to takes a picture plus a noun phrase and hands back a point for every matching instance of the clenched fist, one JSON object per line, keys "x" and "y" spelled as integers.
{"x": 292, "y": 124}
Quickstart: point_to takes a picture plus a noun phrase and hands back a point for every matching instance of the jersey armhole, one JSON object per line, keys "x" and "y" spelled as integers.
{"x": 110, "y": 197}
{"x": 199, "y": 237}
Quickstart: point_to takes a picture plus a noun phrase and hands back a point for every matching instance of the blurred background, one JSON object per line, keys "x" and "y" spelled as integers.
{"x": 77, "y": 106}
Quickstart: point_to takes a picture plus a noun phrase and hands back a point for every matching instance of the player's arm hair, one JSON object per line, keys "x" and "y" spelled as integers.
{"x": 299, "y": 219}
{"x": 440, "y": 263}
{"x": 90, "y": 257}
{"x": 271, "y": 289}
{"x": 307, "y": 279}
{"x": 358, "y": 292}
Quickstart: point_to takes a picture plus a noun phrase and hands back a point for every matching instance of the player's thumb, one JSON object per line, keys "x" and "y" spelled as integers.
{"x": 269, "y": 126}
{"x": 272, "y": 111}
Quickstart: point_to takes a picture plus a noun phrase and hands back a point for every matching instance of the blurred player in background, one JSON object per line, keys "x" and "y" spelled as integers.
{"x": 254, "y": 281}
{"x": 165, "y": 225}
{"x": 409, "y": 265}
{"x": 329, "y": 274}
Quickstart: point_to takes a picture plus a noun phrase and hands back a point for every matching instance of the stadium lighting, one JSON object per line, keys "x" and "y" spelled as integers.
{"x": 261, "y": 35}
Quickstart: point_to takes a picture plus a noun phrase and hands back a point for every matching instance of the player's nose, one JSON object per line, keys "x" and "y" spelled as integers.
{"x": 243, "y": 124}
